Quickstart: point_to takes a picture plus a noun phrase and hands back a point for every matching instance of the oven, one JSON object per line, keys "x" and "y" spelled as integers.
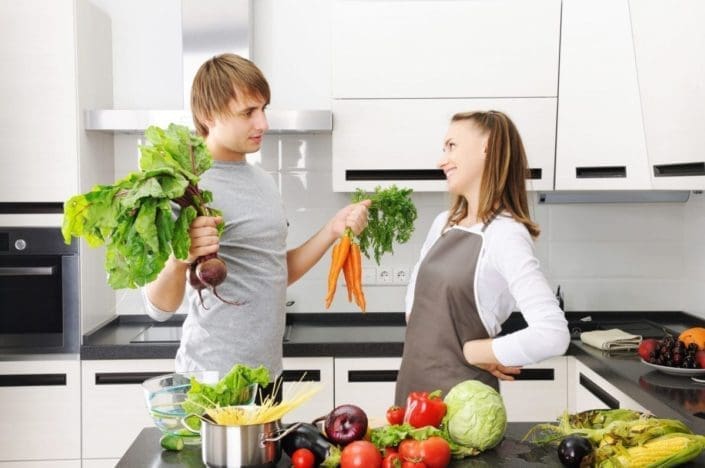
{"x": 39, "y": 291}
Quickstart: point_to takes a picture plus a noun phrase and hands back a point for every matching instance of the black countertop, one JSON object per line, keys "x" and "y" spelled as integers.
{"x": 510, "y": 453}
{"x": 343, "y": 335}
{"x": 146, "y": 451}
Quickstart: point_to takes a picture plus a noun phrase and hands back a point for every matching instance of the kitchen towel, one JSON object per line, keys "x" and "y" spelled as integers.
{"x": 611, "y": 340}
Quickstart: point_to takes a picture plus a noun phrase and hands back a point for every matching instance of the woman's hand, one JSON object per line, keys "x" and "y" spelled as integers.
{"x": 500, "y": 371}
{"x": 479, "y": 353}
{"x": 353, "y": 216}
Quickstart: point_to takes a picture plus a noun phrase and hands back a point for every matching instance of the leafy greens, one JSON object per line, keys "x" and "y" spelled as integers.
{"x": 391, "y": 219}
{"x": 134, "y": 218}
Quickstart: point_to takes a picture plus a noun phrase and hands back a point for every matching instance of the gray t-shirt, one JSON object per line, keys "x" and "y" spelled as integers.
{"x": 253, "y": 246}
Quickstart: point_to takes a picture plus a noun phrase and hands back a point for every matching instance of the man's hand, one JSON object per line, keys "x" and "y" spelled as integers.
{"x": 500, "y": 371}
{"x": 204, "y": 237}
{"x": 353, "y": 216}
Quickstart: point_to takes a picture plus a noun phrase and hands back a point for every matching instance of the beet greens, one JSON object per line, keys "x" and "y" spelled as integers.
{"x": 134, "y": 217}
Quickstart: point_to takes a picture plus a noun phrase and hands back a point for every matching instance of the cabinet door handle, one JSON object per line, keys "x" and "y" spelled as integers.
{"x": 32, "y": 380}
{"x": 536, "y": 374}
{"x": 534, "y": 173}
{"x": 309, "y": 375}
{"x": 372, "y": 375}
{"x": 600, "y": 172}
{"x": 27, "y": 271}
{"x": 394, "y": 174}
{"x": 122, "y": 378}
{"x": 679, "y": 170}
{"x": 598, "y": 392}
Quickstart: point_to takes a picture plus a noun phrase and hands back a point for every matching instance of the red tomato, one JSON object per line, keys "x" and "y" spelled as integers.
{"x": 303, "y": 458}
{"x": 392, "y": 461}
{"x": 360, "y": 454}
{"x": 410, "y": 450}
{"x": 410, "y": 464}
{"x": 433, "y": 452}
{"x": 395, "y": 415}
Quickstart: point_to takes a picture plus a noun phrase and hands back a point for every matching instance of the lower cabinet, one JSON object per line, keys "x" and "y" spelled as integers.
{"x": 40, "y": 407}
{"x": 544, "y": 385}
{"x": 45, "y": 464}
{"x": 114, "y": 408}
{"x": 366, "y": 382}
{"x": 100, "y": 462}
{"x": 317, "y": 369}
{"x": 587, "y": 390}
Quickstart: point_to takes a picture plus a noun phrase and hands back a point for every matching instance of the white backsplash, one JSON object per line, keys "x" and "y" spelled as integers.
{"x": 605, "y": 256}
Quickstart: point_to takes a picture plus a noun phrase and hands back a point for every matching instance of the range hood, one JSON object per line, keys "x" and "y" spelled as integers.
{"x": 208, "y": 28}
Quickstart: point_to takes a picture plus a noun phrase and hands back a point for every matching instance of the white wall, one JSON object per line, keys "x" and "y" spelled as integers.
{"x": 606, "y": 257}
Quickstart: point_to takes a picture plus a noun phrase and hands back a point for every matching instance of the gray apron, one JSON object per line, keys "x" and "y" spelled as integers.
{"x": 443, "y": 317}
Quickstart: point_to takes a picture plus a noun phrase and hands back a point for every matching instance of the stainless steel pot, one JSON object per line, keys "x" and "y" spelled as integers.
{"x": 240, "y": 446}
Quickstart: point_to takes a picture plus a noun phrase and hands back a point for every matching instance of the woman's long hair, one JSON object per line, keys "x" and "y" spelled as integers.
{"x": 503, "y": 184}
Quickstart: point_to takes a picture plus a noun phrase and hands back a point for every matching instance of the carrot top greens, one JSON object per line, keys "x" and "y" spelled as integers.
{"x": 391, "y": 219}
{"x": 134, "y": 219}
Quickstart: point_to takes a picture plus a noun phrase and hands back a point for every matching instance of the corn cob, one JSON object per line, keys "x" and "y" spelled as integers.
{"x": 661, "y": 452}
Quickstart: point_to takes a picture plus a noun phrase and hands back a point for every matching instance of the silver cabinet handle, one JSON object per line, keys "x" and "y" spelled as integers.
{"x": 27, "y": 271}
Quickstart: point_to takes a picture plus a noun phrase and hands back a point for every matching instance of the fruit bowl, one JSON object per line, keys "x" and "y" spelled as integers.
{"x": 679, "y": 371}
{"x": 165, "y": 395}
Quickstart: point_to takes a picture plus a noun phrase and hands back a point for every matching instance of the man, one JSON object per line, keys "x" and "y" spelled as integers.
{"x": 228, "y": 99}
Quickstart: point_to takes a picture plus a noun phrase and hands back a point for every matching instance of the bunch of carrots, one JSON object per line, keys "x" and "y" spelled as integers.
{"x": 347, "y": 257}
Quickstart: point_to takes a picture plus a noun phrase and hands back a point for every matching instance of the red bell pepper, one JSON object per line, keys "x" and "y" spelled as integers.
{"x": 424, "y": 409}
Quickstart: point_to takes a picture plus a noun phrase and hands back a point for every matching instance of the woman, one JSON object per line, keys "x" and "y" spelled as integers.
{"x": 476, "y": 265}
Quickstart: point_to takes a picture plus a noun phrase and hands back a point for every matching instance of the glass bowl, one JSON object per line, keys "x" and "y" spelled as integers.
{"x": 165, "y": 395}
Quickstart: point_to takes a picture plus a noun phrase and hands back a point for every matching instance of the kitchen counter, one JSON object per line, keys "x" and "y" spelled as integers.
{"x": 510, "y": 453}
{"x": 382, "y": 334}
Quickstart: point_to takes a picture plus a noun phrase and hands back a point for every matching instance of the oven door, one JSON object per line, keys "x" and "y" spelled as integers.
{"x": 39, "y": 303}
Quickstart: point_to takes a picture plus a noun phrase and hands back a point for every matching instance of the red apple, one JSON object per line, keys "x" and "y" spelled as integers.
{"x": 700, "y": 359}
{"x": 646, "y": 347}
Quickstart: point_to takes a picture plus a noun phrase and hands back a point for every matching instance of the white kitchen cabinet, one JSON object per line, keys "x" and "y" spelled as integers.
{"x": 100, "y": 462}
{"x": 399, "y": 141}
{"x": 317, "y": 369}
{"x": 445, "y": 49}
{"x": 544, "y": 384}
{"x": 669, "y": 43}
{"x": 114, "y": 408}
{"x": 600, "y": 142}
{"x": 44, "y": 464}
{"x": 587, "y": 390}
{"x": 366, "y": 382}
{"x": 40, "y": 405}
{"x": 38, "y": 131}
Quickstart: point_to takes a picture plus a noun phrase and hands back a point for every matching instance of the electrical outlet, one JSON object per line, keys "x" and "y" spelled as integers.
{"x": 400, "y": 275}
{"x": 385, "y": 275}
{"x": 369, "y": 275}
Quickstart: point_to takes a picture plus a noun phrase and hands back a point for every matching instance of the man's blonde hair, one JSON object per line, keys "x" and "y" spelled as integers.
{"x": 219, "y": 80}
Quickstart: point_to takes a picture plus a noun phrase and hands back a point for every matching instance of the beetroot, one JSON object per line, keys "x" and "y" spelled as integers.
{"x": 208, "y": 272}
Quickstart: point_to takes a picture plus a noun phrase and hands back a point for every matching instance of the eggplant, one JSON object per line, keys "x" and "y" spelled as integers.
{"x": 309, "y": 437}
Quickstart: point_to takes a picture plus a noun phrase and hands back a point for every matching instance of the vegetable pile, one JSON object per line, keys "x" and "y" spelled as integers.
{"x": 429, "y": 430}
{"x": 619, "y": 438}
{"x": 134, "y": 219}
{"x": 391, "y": 219}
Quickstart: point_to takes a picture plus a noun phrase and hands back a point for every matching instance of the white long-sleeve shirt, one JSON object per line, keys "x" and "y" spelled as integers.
{"x": 508, "y": 276}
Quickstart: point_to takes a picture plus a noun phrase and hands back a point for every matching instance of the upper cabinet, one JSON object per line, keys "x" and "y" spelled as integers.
{"x": 600, "y": 136}
{"x": 38, "y": 94}
{"x": 55, "y": 58}
{"x": 398, "y": 79}
{"x": 669, "y": 43}
{"x": 445, "y": 49}
{"x": 384, "y": 141}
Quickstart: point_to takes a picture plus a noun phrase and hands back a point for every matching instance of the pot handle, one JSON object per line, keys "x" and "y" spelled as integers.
{"x": 187, "y": 426}
{"x": 280, "y": 434}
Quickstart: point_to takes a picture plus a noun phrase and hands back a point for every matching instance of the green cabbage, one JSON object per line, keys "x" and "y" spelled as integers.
{"x": 476, "y": 416}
